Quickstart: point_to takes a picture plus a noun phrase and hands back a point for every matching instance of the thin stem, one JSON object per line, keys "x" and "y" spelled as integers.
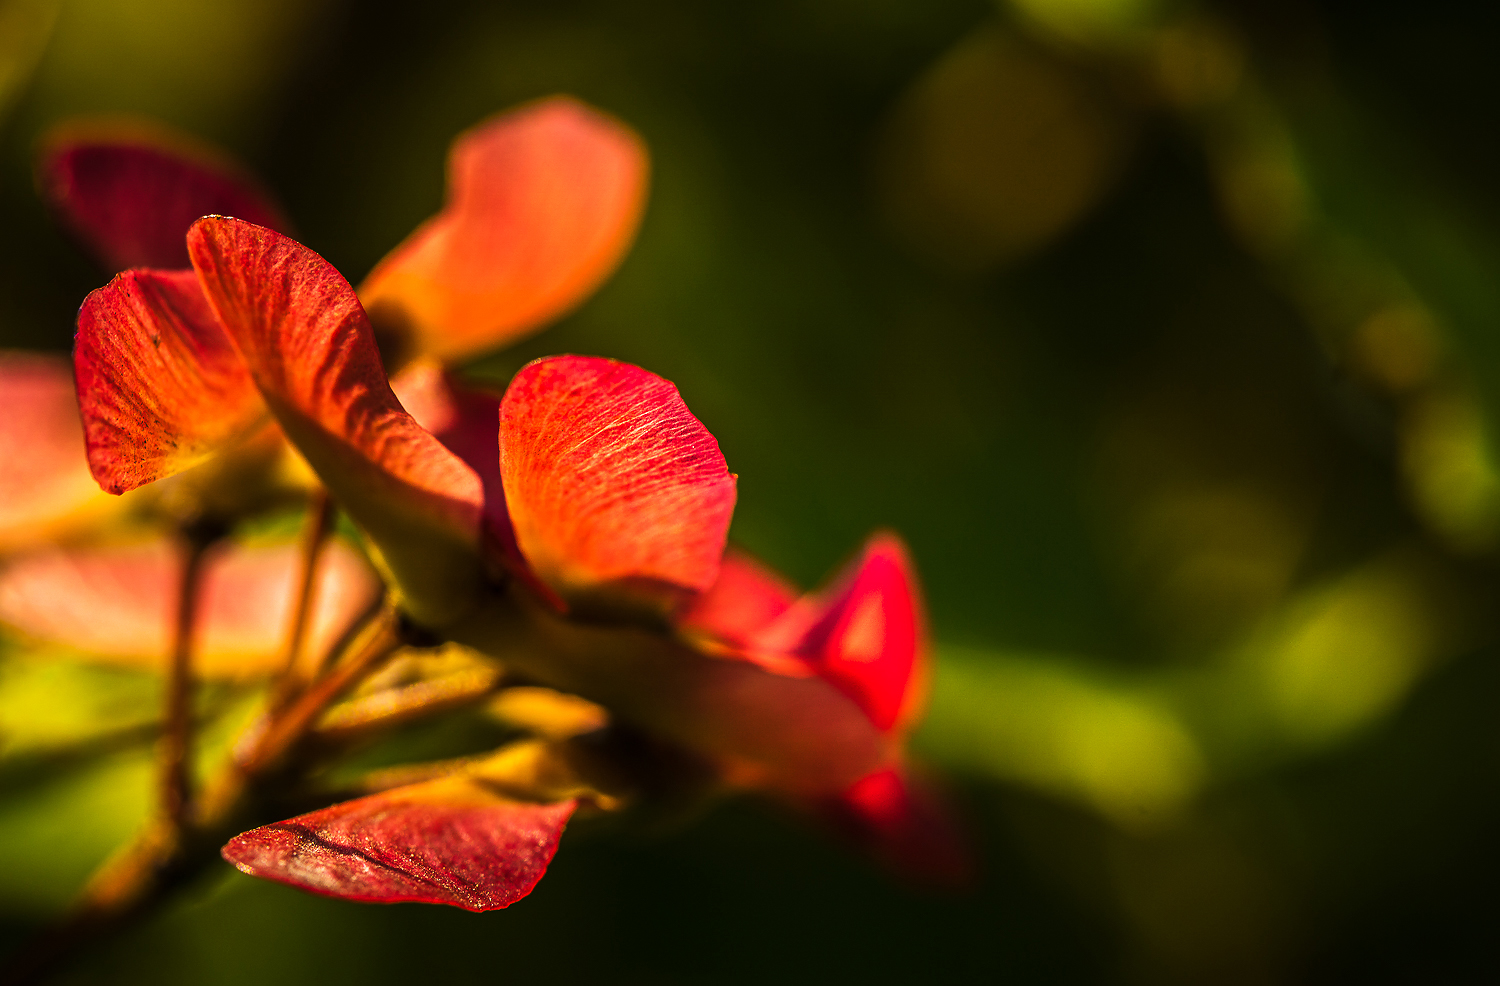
{"x": 377, "y": 641}
{"x": 315, "y": 533}
{"x": 174, "y": 766}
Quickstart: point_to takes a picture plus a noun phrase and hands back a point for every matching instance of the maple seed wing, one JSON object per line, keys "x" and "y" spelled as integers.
{"x": 130, "y": 192}
{"x": 45, "y": 486}
{"x": 870, "y": 641}
{"x": 312, "y": 355}
{"x": 618, "y": 496}
{"x": 160, "y": 386}
{"x": 451, "y": 841}
{"x": 117, "y": 604}
{"x": 543, "y": 202}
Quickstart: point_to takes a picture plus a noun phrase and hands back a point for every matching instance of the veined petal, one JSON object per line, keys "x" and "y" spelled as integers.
{"x": 451, "y": 841}
{"x": 131, "y": 190}
{"x": 866, "y": 634}
{"x": 312, "y": 354}
{"x": 45, "y": 483}
{"x": 119, "y": 604}
{"x": 160, "y": 385}
{"x": 542, "y": 203}
{"x": 615, "y": 491}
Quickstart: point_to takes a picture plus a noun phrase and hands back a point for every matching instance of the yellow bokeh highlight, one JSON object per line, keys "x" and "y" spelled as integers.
{"x": 996, "y": 151}
{"x": 1115, "y": 747}
{"x": 1450, "y": 471}
{"x": 1344, "y": 654}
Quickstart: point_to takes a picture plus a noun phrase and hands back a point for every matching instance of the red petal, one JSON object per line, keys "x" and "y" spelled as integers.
{"x": 746, "y": 598}
{"x": 45, "y": 480}
{"x": 542, "y": 204}
{"x": 611, "y": 481}
{"x": 120, "y": 603}
{"x": 908, "y": 825}
{"x": 866, "y": 634}
{"x": 465, "y": 419}
{"x": 451, "y": 841}
{"x": 160, "y": 385}
{"x": 131, "y": 191}
{"x": 310, "y": 350}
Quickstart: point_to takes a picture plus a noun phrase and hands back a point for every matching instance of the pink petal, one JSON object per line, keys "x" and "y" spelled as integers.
{"x": 542, "y": 204}
{"x": 312, "y": 354}
{"x": 613, "y": 487}
{"x": 119, "y": 604}
{"x": 451, "y": 841}
{"x": 130, "y": 191}
{"x": 160, "y": 385}
{"x": 45, "y": 481}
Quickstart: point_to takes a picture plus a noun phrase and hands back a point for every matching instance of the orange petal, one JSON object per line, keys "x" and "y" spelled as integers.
{"x": 119, "y": 604}
{"x": 131, "y": 190}
{"x": 613, "y": 487}
{"x": 542, "y": 203}
{"x": 452, "y": 841}
{"x": 160, "y": 385}
{"x": 866, "y": 634}
{"x": 44, "y": 483}
{"x": 311, "y": 352}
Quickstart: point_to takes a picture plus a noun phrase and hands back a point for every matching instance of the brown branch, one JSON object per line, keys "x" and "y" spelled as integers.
{"x": 175, "y": 763}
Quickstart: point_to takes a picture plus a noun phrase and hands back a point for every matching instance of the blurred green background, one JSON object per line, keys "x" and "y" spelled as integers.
{"x": 1168, "y": 334}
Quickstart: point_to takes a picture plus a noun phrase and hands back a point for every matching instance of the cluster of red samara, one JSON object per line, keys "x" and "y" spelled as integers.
{"x": 570, "y": 531}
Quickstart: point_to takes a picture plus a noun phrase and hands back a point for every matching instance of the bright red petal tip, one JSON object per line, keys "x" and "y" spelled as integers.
{"x": 130, "y": 191}
{"x": 444, "y": 842}
{"x": 119, "y": 603}
{"x": 612, "y": 486}
{"x": 865, "y": 635}
{"x": 160, "y": 385}
{"x": 45, "y": 479}
{"x": 311, "y": 351}
{"x": 908, "y": 825}
{"x": 542, "y": 204}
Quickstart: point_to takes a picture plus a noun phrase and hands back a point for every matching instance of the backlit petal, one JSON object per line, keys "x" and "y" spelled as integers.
{"x": 451, "y": 841}
{"x": 311, "y": 352}
{"x": 542, "y": 204}
{"x": 130, "y": 191}
{"x": 119, "y": 604}
{"x": 45, "y": 484}
{"x": 614, "y": 489}
{"x": 160, "y": 385}
{"x": 865, "y": 634}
